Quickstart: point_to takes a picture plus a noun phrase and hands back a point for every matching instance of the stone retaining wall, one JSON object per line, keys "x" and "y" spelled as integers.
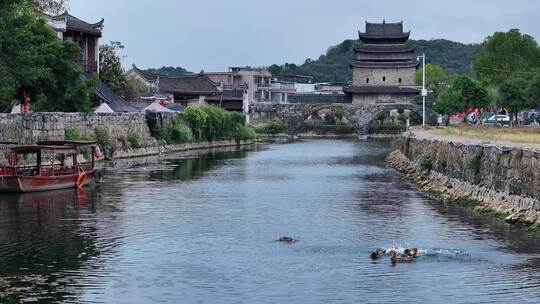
{"x": 505, "y": 179}
{"x": 33, "y": 127}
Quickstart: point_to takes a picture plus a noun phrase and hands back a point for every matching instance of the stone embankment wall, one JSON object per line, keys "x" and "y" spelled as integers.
{"x": 504, "y": 179}
{"x": 294, "y": 116}
{"x": 33, "y": 127}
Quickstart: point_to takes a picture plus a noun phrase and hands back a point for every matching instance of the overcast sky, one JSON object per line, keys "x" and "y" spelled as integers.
{"x": 212, "y": 35}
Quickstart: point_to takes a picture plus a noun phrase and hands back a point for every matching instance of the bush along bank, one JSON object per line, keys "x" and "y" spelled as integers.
{"x": 204, "y": 123}
{"x": 493, "y": 180}
{"x": 199, "y": 127}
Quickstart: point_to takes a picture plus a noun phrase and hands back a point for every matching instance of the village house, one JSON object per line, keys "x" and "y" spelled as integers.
{"x": 256, "y": 81}
{"x": 191, "y": 90}
{"x": 85, "y": 34}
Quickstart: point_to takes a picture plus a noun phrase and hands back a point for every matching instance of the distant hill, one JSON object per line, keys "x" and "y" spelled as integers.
{"x": 170, "y": 71}
{"x": 333, "y": 66}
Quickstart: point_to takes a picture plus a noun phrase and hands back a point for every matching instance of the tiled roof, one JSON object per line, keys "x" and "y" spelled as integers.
{"x": 384, "y": 33}
{"x": 196, "y": 84}
{"x": 228, "y": 95}
{"x": 77, "y": 25}
{"x": 384, "y": 29}
{"x": 378, "y": 89}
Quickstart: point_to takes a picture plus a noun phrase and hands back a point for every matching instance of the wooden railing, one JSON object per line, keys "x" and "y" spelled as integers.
{"x": 88, "y": 66}
{"x": 46, "y": 170}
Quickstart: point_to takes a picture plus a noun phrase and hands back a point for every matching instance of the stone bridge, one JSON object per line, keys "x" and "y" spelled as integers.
{"x": 361, "y": 117}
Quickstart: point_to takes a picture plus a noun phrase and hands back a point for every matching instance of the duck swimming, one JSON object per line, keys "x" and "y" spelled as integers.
{"x": 287, "y": 239}
{"x": 377, "y": 254}
{"x": 411, "y": 252}
{"x": 400, "y": 259}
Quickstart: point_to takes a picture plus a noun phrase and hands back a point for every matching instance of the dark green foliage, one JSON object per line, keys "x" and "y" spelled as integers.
{"x": 170, "y": 71}
{"x": 103, "y": 137}
{"x": 178, "y": 133}
{"x": 441, "y": 164}
{"x": 196, "y": 118}
{"x": 505, "y": 54}
{"x": 463, "y": 94}
{"x": 212, "y": 123}
{"x": 134, "y": 139}
{"x": 111, "y": 70}
{"x": 158, "y": 132}
{"x": 425, "y": 162}
{"x": 333, "y": 66}
{"x": 35, "y": 61}
{"x": 515, "y": 94}
{"x": 276, "y": 127}
{"x": 474, "y": 163}
{"x": 72, "y": 133}
{"x": 245, "y": 133}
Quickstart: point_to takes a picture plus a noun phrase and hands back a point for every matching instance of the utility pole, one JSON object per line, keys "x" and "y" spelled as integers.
{"x": 424, "y": 91}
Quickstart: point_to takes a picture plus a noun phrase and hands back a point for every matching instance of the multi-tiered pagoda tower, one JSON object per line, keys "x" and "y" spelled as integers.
{"x": 384, "y": 69}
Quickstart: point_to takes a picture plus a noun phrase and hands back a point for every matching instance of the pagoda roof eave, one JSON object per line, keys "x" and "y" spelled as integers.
{"x": 384, "y": 64}
{"x": 379, "y": 89}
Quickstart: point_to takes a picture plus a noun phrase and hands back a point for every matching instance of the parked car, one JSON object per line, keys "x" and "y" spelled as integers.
{"x": 498, "y": 119}
{"x": 485, "y": 116}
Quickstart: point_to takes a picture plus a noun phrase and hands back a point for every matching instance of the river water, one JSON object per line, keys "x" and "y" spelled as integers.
{"x": 192, "y": 228}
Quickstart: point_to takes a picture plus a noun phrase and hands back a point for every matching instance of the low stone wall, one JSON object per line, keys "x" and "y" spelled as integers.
{"x": 160, "y": 149}
{"x": 33, "y": 127}
{"x": 504, "y": 179}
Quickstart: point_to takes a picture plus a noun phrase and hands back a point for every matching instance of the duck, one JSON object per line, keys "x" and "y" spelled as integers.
{"x": 411, "y": 252}
{"x": 377, "y": 254}
{"x": 287, "y": 239}
{"x": 400, "y": 259}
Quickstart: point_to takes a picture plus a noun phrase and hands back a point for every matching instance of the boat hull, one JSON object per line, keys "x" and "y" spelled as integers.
{"x": 25, "y": 184}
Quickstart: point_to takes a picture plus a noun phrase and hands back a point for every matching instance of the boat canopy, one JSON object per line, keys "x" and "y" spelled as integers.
{"x": 55, "y": 147}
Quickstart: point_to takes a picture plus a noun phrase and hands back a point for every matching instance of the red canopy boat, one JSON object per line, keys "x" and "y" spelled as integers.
{"x": 56, "y": 167}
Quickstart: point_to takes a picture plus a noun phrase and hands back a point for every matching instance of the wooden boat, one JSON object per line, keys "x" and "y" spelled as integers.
{"x": 56, "y": 167}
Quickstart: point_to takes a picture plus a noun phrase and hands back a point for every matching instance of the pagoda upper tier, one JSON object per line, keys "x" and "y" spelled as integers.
{"x": 384, "y": 33}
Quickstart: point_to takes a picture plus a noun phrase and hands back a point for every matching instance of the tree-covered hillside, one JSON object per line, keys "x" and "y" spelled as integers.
{"x": 170, "y": 71}
{"x": 333, "y": 66}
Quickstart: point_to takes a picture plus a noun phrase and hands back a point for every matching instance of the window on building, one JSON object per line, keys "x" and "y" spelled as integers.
{"x": 283, "y": 97}
{"x": 384, "y": 78}
{"x": 400, "y": 80}
{"x": 367, "y": 80}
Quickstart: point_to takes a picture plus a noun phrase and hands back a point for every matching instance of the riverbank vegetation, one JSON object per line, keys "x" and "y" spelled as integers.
{"x": 507, "y": 75}
{"x": 205, "y": 123}
{"x": 36, "y": 64}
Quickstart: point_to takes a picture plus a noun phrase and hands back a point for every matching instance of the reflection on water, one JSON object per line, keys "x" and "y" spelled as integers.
{"x": 199, "y": 227}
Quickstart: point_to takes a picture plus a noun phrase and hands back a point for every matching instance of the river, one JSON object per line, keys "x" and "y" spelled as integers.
{"x": 202, "y": 228}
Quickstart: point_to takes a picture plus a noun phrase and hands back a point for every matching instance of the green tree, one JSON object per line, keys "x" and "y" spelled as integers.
{"x": 134, "y": 88}
{"x": 44, "y": 6}
{"x": 34, "y": 61}
{"x": 514, "y": 94}
{"x": 472, "y": 94}
{"x": 111, "y": 71}
{"x": 449, "y": 102}
{"x": 534, "y": 91}
{"x": 464, "y": 93}
{"x": 436, "y": 77}
{"x": 505, "y": 53}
